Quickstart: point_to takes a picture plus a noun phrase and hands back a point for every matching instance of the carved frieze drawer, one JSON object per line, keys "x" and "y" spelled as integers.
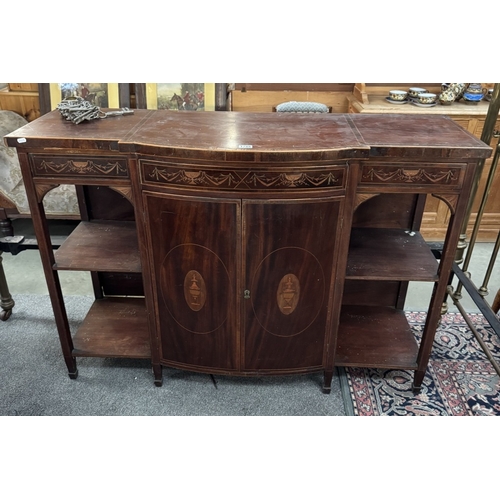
{"x": 413, "y": 174}
{"x": 79, "y": 166}
{"x": 253, "y": 179}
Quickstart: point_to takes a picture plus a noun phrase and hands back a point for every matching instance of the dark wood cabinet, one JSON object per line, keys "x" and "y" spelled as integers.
{"x": 256, "y": 243}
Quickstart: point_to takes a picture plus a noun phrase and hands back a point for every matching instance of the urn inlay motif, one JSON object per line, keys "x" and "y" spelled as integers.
{"x": 195, "y": 291}
{"x": 243, "y": 180}
{"x": 288, "y": 293}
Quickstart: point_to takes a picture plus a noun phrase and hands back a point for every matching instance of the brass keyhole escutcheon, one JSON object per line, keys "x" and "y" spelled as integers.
{"x": 246, "y": 294}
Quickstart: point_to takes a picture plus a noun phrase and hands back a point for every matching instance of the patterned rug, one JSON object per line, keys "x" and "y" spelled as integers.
{"x": 459, "y": 379}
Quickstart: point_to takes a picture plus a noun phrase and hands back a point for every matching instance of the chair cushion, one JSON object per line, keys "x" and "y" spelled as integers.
{"x": 302, "y": 107}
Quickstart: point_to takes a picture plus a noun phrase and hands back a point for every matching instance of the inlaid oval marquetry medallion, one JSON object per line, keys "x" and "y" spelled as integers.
{"x": 283, "y": 303}
{"x": 195, "y": 291}
{"x": 288, "y": 293}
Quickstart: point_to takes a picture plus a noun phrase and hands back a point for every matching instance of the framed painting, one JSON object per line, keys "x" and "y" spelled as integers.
{"x": 180, "y": 96}
{"x": 104, "y": 95}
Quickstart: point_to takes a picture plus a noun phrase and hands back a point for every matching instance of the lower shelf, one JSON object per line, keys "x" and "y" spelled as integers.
{"x": 115, "y": 327}
{"x": 375, "y": 337}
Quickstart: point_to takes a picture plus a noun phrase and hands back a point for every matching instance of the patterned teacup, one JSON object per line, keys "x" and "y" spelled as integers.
{"x": 427, "y": 98}
{"x": 414, "y": 91}
{"x": 398, "y": 95}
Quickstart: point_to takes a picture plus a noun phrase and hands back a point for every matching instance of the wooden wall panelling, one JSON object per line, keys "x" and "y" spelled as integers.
{"x": 140, "y": 95}
{"x": 263, "y": 97}
{"x": 44, "y": 96}
{"x": 490, "y": 222}
{"x": 124, "y": 93}
{"x": 221, "y": 93}
{"x": 24, "y": 103}
{"x": 264, "y": 101}
{"x": 295, "y": 87}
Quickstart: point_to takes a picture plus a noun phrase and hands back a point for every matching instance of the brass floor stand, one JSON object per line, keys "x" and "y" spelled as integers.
{"x": 462, "y": 274}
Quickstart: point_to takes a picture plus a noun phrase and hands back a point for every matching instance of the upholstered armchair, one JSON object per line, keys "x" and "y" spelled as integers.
{"x": 61, "y": 202}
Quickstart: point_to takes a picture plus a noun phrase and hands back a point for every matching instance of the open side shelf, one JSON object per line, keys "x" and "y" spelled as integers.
{"x": 115, "y": 327}
{"x": 100, "y": 246}
{"x": 375, "y": 337}
{"x": 390, "y": 254}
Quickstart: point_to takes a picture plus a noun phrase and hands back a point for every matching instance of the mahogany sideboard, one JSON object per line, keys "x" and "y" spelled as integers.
{"x": 263, "y": 243}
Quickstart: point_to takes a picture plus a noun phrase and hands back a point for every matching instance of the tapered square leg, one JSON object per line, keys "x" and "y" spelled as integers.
{"x": 6, "y": 301}
{"x": 157, "y": 372}
{"x": 327, "y": 381}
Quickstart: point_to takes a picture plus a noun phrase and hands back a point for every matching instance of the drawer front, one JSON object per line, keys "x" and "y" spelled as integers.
{"x": 239, "y": 179}
{"x": 79, "y": 166}
{"x": 416, "y": 175}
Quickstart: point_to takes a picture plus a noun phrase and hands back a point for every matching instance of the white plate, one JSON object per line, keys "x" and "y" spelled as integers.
{"x": 423, "y": 105}
{"x": 388, "y": 99}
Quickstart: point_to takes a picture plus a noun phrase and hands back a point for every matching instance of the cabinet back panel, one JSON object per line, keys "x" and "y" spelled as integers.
{"x": 371, "y": 293}
{"x": 387, "y": 210}
{"x": 121, "y": 284}
{"x": 105, "y": 203}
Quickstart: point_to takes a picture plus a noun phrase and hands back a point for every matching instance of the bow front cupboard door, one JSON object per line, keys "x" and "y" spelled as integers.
{"x": 195, "y": 248}
{"x": 243, "y": 286}
{"x": 290, "y": 253}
